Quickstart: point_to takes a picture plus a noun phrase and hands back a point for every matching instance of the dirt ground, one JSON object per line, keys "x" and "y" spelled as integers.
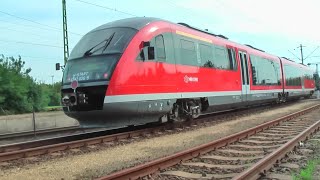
{"x": 102, "y": 162}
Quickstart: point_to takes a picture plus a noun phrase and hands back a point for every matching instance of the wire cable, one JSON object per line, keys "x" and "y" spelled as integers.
{"x": 30, "y": 43}
{"x": 35, "y": 22}
{"x": 105, "y": 7}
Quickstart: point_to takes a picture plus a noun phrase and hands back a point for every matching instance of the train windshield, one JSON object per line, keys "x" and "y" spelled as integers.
{"x": 105, "y": 41}
{"x": 93, "y": 68}
{"x": 96, "y": 55}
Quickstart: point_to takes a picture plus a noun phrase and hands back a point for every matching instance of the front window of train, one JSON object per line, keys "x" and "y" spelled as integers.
{"x": 96, "y": 55}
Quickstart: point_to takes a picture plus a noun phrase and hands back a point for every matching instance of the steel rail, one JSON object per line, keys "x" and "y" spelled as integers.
{"x": 266, "y": 163}
{"x": 35, "y": 151}
{"x": 39, "y": 132}
{"x": 49, "y": 145}
{"x": 151, "y": 167}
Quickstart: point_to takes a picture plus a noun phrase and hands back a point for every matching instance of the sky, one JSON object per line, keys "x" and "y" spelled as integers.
{"x": 33, "y": 28}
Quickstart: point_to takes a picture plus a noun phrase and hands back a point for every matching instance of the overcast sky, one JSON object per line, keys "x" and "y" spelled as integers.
{"x": 33, "y": 28}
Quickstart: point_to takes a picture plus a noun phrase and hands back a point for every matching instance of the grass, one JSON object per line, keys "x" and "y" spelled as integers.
{"x": 52, "y": 108}
{"x": 307, "y": 173}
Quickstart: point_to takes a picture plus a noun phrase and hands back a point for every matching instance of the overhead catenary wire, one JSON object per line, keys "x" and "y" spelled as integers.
{"x": 35, "y": 22}
{"x": 30, "y": 43}
{"x": 106, "y": 7}
{"x": 25, "y": 32}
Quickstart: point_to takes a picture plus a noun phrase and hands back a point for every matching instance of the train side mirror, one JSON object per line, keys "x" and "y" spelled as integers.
{"x": 57, "y": 66}
{"x": 146, "y": 43}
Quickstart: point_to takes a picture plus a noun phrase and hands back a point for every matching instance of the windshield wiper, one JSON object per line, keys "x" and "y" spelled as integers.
{"x": 108, "y": 40}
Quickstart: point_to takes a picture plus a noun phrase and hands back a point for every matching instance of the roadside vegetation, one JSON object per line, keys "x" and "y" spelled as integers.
{"x": 307, "y": 173}
{"x": 20, "y": 93}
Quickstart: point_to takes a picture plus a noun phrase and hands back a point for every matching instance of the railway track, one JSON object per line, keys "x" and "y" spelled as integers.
{"x": 244, "y": 155}
{"x": 39, "y": 132}
{"x": 51, "y": 145}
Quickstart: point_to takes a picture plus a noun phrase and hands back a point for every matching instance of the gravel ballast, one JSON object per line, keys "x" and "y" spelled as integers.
{"x": 105, "y": 161}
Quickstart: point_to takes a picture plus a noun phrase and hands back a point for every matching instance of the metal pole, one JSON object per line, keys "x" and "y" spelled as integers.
{"x": 301, "y": 53}
{"x": 65, "y": 32}
{"x": 34, "y": 122}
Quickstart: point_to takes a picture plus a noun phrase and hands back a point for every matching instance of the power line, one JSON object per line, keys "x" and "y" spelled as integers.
{"x": 26, "y": 32}
{"x": 35, "y": 22}
{"x": 312, "y": 52}
{"x": 301, "y": 53}
{"x": 106, "y": 7}
{"x": 27, "y": 58}
{"x": 47, "y": 29}
{"x": 30, "y": 43}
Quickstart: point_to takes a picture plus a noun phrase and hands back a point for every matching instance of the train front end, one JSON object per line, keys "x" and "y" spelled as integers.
{"x": 88, "y": 72}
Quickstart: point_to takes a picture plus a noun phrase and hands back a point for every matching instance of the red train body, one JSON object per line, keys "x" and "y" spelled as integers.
{"x": 141, "y": 70}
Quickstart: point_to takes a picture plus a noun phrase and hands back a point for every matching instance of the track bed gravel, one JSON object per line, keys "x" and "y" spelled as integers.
{"x": 297, "y": 160}
{"x": 107, "y": 160}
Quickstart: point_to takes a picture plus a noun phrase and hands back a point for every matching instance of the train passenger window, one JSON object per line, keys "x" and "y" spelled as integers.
{"x": 206, "y": 55}
{"x": 232, "y": 59}
{"x": 160, "y": 49}
{"x": 292, "y": 75}
{"x": 221, "y": 60}
{"x": 264, "y": 71}
{"x": 188, "y": 52}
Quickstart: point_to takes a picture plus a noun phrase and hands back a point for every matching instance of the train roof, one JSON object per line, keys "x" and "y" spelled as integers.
{"x": 135, "y": 23}
{"x": 140, "y": 22}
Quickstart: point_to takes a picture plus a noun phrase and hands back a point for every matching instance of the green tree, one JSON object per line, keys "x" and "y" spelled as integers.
{"x": 19, "y": 92}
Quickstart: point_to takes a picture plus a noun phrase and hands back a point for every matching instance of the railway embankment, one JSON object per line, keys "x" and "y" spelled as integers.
{"x": 101, "y": 161}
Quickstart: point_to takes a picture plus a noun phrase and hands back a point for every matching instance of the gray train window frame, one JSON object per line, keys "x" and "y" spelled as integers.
{"x": 218, "y": 58}
{"x": 206, "y": 55}
{"x": 232, "y": 58}
{"x": 292, "y": 75}
{"x": 259, "y": 70}
{"x": 188, "y": 52}
{"x": 160, "y": 47}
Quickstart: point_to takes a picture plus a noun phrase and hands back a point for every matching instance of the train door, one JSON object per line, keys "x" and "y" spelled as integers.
{"x": 244, "y": 76}
{"x": 302, "y": 81}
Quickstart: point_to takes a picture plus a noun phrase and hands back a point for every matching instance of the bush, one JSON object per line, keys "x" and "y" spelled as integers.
{"x": 19, "y": 92}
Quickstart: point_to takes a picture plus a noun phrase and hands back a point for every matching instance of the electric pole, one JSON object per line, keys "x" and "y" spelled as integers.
{"x": 65, "y": 32}
{"x": 301, "y": 52}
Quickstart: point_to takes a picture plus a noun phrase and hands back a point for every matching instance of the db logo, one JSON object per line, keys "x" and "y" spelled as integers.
{"x": 190, "y": 79}
{"x": 186, "y": 79}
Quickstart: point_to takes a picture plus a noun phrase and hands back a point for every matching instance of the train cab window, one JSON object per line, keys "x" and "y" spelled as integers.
{"x": 140, "y": 56}
{"x": 232, "y": 59}
{"x": 188, "y": 52}
{"x": 206, "y": 56}
{"x": 221, "y": 60}
{"x": 160, "y": 49}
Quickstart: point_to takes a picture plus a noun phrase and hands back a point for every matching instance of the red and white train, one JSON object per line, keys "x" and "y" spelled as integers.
{"x": 140, "y": 70}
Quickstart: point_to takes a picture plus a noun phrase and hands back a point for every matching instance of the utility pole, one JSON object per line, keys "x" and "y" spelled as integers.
{"x": 301, "y": 52}
{"x": 65, "y": 32}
